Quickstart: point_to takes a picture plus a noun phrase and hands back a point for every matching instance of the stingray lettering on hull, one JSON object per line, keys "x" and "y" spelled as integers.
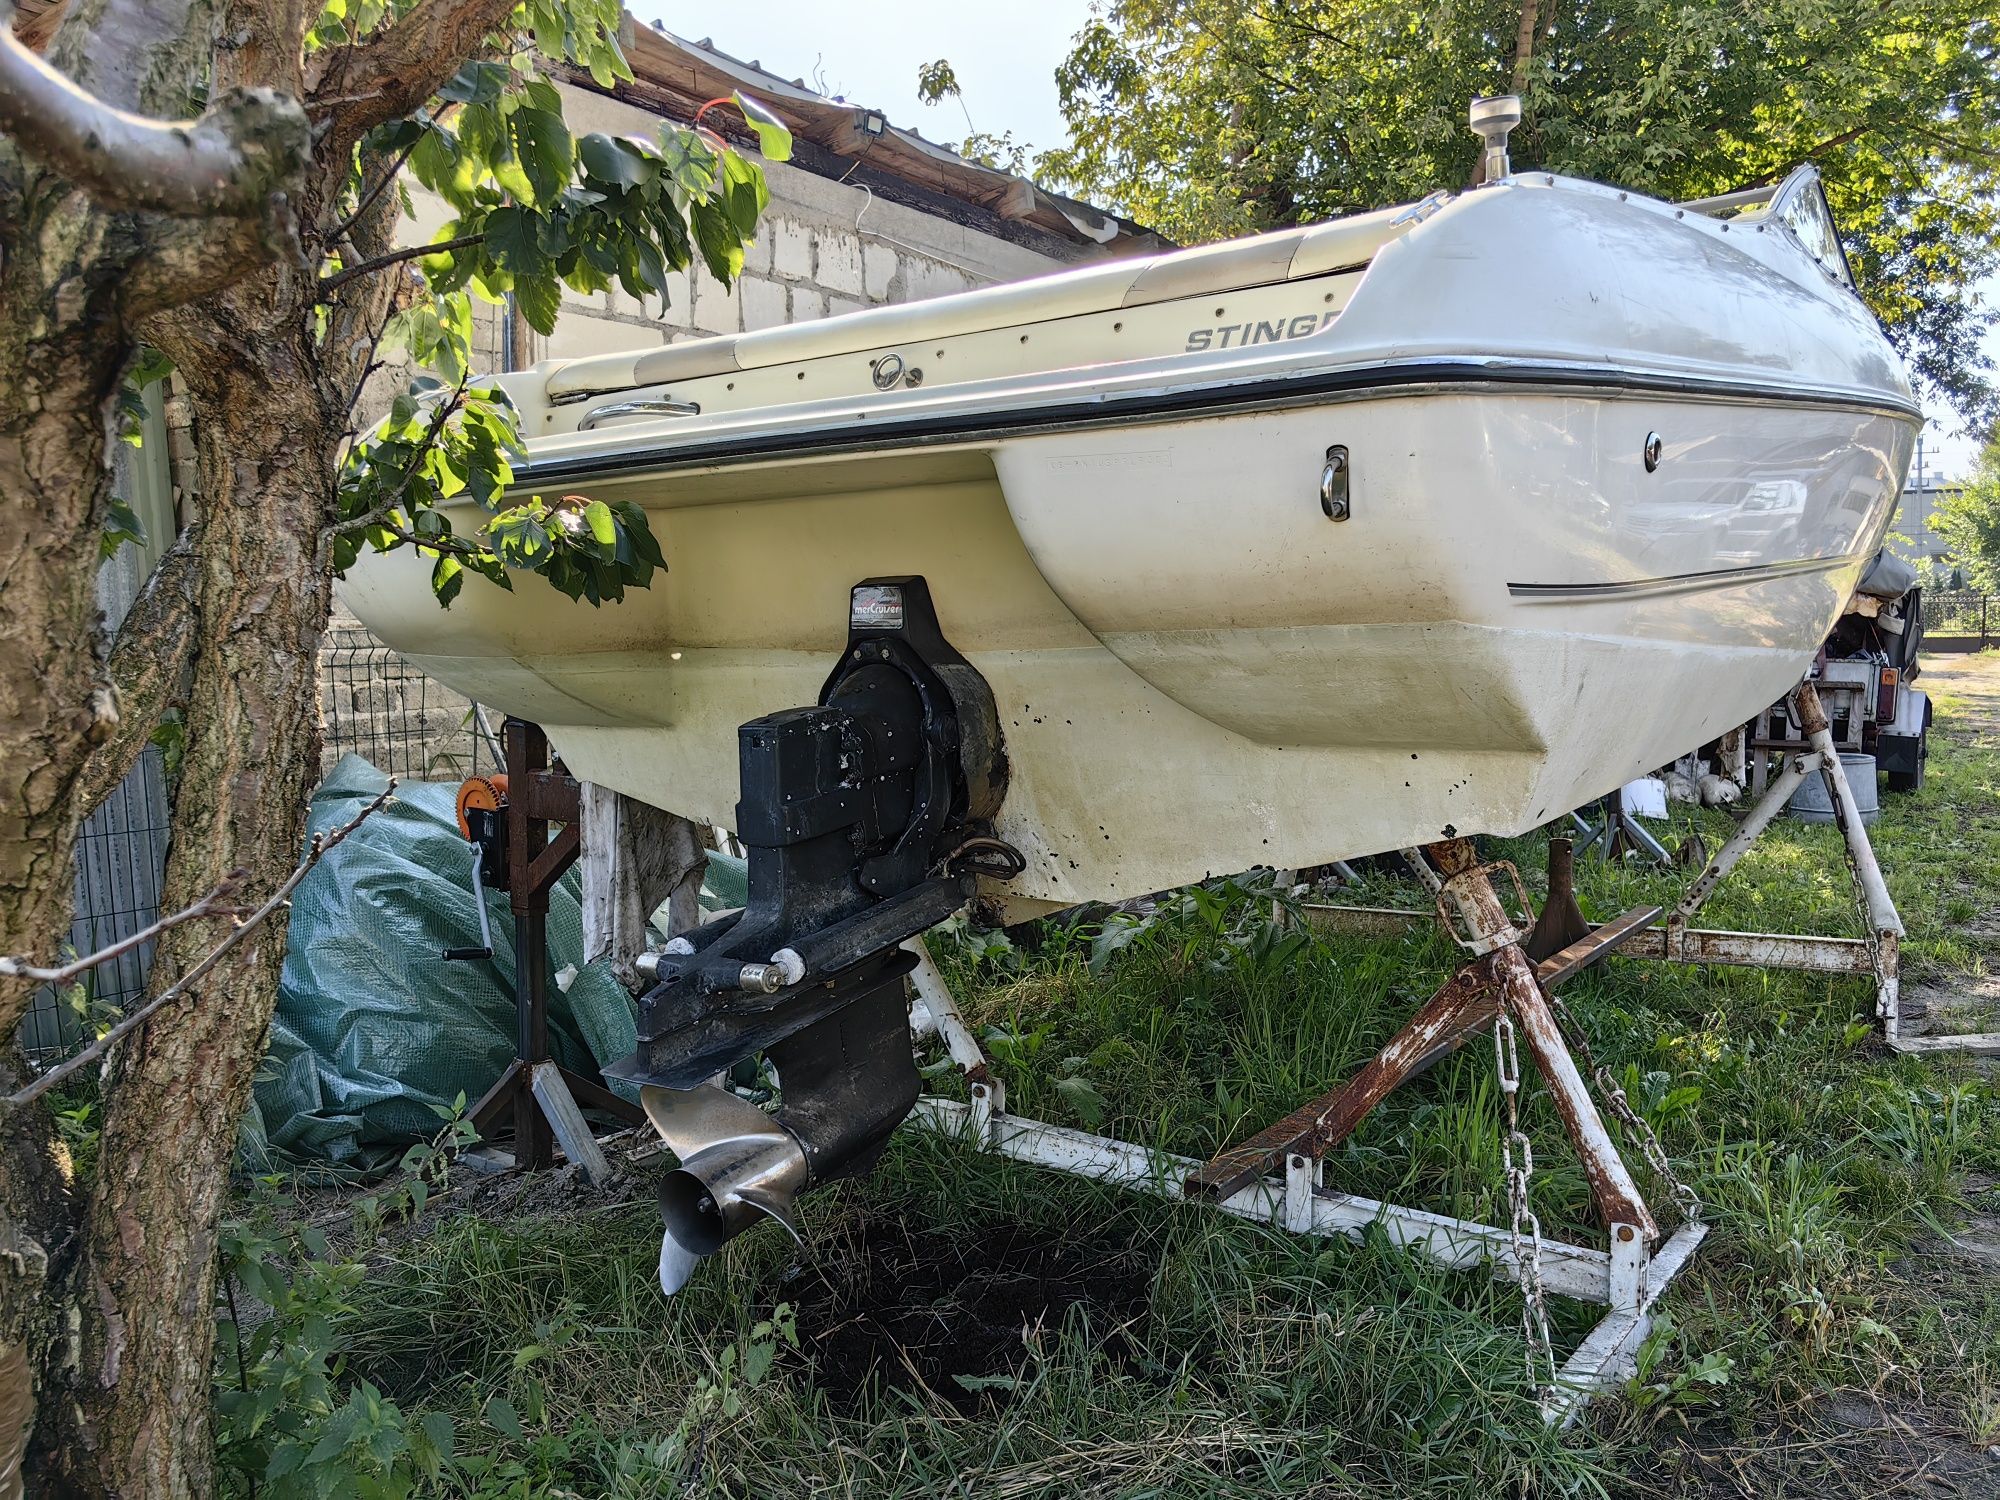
{"x": 1261, "y": 331}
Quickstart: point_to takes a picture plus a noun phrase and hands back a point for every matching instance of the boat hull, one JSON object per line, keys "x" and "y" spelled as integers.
{"x": 1197, "y": 669}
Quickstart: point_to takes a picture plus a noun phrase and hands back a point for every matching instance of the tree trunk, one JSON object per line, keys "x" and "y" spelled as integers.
{"x": 62, "y": 359}
{"x": 1524, "y": 43}
{"x": 268, "y": 432}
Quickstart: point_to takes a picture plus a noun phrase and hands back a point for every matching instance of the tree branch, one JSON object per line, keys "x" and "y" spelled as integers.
{"x": 381, "y": 513}
{"x": 279, "y": 899}
{"x": 335, "y": 282}
{"x": 1524, "y": 43}
{"x": 250, "y": 143}
{"x": 208, "y": 906}
{"x": 148, "y": 668}
{"x": 395, "y": 70}
{"x": 185, "y": 260}
{"x": 367, "y": 200}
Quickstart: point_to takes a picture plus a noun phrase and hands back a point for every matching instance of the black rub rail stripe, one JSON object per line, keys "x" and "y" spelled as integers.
{"x": 1107, "y": 411}
{"x": 1719, "y": 578}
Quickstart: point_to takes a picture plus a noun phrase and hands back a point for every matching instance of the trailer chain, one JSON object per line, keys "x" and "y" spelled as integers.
{"x": 1613, "y": 1095}
{"x": 1519, "y": 1172}
{"x": 1871, "y": 938}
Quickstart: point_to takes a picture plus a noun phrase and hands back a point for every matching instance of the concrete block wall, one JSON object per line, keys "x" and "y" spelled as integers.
{"x": 824, "y": 248}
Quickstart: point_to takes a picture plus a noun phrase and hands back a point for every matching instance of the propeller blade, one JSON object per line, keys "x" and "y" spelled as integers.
{"x": 677, "y": 1263}
{"x": 778, "y": 1208}
{"x": 692, "y": 1120}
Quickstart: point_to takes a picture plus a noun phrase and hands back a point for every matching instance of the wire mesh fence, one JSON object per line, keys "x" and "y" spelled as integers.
{"x": 1960, "y": 621}
{"x": 121, "y": 854}
{"x": 375, "y": 704}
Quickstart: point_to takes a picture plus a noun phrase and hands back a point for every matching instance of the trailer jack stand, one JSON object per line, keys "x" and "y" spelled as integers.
{"x": 1276, "y": 1176}
{"x": 538, "y": 1094}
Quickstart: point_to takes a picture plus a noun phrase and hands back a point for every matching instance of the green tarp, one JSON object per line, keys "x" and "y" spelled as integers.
{"x": 373, "y": 1027}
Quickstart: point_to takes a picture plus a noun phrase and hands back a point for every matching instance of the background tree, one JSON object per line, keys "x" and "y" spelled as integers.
{"x": 1969, "y": 522}
{"x": 252, "y": 244}
{"x": 1204, "y": 119}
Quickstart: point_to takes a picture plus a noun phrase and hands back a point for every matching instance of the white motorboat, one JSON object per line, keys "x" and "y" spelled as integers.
{"x": 1443, "y": 519}
{"x": 1430, "y": 522}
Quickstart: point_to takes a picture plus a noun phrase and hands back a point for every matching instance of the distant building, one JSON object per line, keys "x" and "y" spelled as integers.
{"x": 1911, "y": 536}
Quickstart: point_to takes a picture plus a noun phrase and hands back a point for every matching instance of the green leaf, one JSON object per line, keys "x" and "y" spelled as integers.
{"x": 1082, "y": 1096}
{"x": 121, "y": 525}
{"x": 541, "y": 144}
{"x": 744, "y": 194}
{"x": 721, "y": 243}
{"x": 597, "y": 516}
{"x": 774, "y": 140}
{"x": 439, "y": 1428}
{"x": 688, "y": 160}
{"x": 447, "y": 578}
{"x": 976, "y": 1383}
{"x": 543, "y": 95}
{"x": 540, "y": 299}
{"x": 612, "y": 160}
{"x": 510, "y": 240}
{"x": 502, "y": 1418}
{"x": 479, "y": 83}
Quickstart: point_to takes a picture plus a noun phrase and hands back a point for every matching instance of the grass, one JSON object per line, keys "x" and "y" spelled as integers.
{"x": 1127, "y": 1346}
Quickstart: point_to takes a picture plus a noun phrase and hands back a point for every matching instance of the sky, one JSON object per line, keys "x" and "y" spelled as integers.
{"x": 1005, "y": 56}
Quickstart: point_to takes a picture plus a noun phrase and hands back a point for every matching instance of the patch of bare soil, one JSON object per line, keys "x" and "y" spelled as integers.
{"x": 1951, "y": 1005}
{"x": 951, "y": 1315}
{"x": 1849, "y": 1445}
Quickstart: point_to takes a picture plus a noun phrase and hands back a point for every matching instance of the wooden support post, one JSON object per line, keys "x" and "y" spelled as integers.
{"x": 528, "y": 847}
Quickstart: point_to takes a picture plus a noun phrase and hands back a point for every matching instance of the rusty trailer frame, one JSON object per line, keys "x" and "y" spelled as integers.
{"x": 1276, "y": 1177}
{"x": 1676, "y": 939}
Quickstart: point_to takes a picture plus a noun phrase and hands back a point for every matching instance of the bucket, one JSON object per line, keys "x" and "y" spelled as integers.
{"x": 1810, "y": 803}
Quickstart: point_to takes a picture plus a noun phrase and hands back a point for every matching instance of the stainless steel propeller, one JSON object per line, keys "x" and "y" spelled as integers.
{"x": 737, "y": 1164}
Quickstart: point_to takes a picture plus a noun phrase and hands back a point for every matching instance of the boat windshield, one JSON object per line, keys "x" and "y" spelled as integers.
{"x": 1800, "y": 205}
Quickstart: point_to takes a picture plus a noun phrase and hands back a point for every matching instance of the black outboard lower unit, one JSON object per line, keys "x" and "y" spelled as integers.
{"x": 867, "y": 820}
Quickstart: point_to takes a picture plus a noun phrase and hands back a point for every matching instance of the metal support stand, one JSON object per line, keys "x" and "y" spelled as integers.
{"x": 540, "y": 1094}
{"x": 1276, "y": 1175}
{"x": 1877, "y": 956}
{"x": 1620, "y": 834}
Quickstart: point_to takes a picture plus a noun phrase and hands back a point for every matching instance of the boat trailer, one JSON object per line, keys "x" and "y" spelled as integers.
{"x": 1875, "y": 956}
{"x": 867, "y": 817}
{"x": 1277, "y": 1176}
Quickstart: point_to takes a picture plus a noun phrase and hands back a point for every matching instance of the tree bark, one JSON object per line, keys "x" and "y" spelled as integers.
{"x": 1524, "y": 42}
{"x": 148, "y": 668}
{"x": 113, "y": 1302}
{"x": 60, "y": 267}
{"x": 176, "y": 1091}
{"x": 68, "y": 274}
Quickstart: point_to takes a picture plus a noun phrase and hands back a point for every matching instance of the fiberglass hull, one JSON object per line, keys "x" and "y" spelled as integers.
{"x": 1197, "y": 669}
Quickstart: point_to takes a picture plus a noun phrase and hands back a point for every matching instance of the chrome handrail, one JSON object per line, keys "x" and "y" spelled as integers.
{"x": 651, "y": 404}
{"x": 1722, "y": 203}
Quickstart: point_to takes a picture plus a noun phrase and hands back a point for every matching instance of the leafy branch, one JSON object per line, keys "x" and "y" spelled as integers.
{"x": 398, "y": 478}
{"x": 537, "y": 210}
